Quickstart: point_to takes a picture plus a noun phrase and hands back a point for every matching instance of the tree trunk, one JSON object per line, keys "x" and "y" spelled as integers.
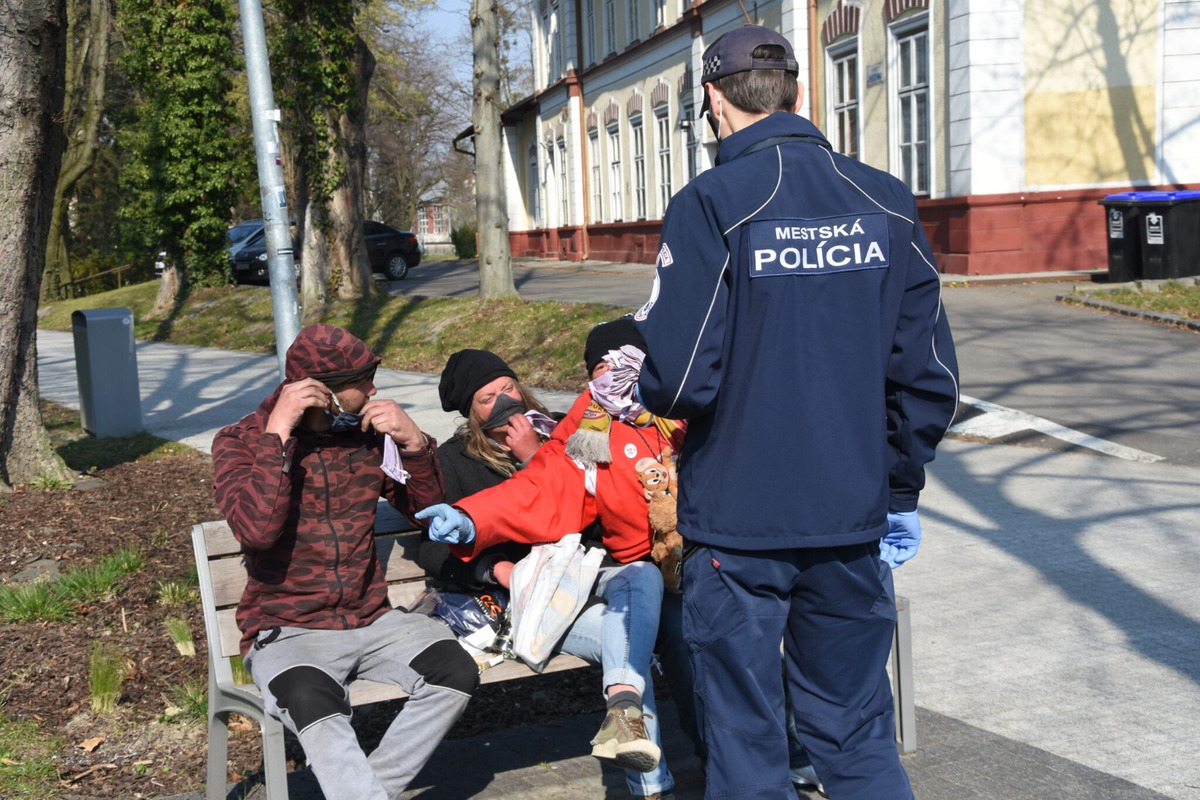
{"x": 33, "y": 39}
{"x": 495, "y": 258}
{"x": 83, "y": 108}
{"x": 346, "y": 205}
{"x": 314, "y": 265}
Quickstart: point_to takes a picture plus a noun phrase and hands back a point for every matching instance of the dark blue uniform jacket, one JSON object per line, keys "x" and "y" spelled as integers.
{"x": 796, "y": 322}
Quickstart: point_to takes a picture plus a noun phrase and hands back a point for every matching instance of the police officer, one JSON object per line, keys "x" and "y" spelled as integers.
{"x": 796, "y": 322}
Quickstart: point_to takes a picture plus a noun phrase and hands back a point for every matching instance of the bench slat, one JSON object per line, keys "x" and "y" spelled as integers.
{"x": 397, "y": 552}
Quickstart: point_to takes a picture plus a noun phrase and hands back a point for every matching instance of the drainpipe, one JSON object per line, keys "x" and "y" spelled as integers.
{"x": 814, "y": 115}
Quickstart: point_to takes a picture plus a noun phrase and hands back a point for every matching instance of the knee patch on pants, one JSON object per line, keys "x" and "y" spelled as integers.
{"x": 309, "y": 695}
{"x": 446, "y": 664}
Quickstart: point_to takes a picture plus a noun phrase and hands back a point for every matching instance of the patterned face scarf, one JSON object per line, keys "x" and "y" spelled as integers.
{"x": 613, "y": 398}
{"x": 344, "y": 420}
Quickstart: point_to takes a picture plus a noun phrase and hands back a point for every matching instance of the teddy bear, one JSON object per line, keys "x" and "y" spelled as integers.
{"x": 666, "y": 547}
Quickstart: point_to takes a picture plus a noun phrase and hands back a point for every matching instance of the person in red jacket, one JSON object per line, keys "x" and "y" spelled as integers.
{"x": 588, "y": 472}
{"x": 298, "y": 481}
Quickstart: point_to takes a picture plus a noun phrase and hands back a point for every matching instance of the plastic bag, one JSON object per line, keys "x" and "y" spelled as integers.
{"x": 465, "y": 613}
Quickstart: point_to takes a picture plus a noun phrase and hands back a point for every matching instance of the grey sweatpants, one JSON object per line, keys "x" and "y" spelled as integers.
{"x": 303, "y": 673}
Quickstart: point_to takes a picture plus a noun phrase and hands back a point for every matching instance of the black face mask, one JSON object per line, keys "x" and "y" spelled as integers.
{"x": 503, "y": 408}
{"x": 344, "y": 421}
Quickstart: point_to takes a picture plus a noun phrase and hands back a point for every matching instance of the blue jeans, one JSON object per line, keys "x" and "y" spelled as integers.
{"x": 619, "y": 635}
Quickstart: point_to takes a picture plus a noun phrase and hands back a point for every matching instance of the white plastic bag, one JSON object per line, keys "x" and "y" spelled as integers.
{"x": 548, "y": 589}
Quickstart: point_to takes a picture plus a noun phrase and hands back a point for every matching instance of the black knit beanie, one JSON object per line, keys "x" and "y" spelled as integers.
{"x": 610, "y": 336}
{"x": 466, "y": 372}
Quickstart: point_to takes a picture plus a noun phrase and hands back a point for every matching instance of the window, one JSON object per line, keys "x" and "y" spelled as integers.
{"x": 660, "y": 13}
{"x": 662, "y": 124}
{"x": 594, "y": 162}
{"x": 534, "y": 200}
{"x": 563, "y": 201}
{"x": 638, "y": 137}
{"x": 843, "y": 94}
{"x": 589, "y": 33}
{"x": 912, "y": 103}
{"x": 422, "y": 221}
{"x": 687, "y": 123}
{"x": 439, "y": 219}
{"x": 610, "y": 26}
{"x": 631, "y": 21}
{"x": 615, "y": 178}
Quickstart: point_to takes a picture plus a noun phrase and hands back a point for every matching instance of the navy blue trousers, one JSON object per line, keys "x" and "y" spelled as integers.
{"x": 834, "y": 609}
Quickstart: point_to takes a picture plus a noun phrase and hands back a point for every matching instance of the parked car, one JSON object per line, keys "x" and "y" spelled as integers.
{"x": 243, "y": 232}
{"x": 249, "y": 263}
{"x": 390, "y": 251}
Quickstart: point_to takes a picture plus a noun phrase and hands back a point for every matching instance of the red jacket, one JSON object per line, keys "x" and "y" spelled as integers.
{"x": 305, "y": 516}
{"x": 550, "y": 497}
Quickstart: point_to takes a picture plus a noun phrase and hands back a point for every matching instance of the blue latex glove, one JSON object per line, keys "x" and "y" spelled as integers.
{"x": 902, "y": 539}
{"x": 448, "y": 524}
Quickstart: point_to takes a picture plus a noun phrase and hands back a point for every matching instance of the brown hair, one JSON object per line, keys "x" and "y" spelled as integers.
{"x": 483, "y": 448}
{"x": 761, "y": 91}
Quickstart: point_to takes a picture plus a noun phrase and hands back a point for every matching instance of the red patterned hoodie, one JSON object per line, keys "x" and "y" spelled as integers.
{"x": 305, "y": 512}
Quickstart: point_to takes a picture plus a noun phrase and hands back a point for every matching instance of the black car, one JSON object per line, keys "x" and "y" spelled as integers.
{"x": 390, "y": 251}
{"x": 249, "y": 262}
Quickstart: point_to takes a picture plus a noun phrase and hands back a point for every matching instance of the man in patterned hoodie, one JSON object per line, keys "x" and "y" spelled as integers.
{"x": 298, "y": 481}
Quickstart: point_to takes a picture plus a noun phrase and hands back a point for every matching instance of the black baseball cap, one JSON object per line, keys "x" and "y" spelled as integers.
{"x": 733, "y": 52}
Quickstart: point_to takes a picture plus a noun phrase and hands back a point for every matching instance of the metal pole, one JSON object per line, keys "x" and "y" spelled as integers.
{"x": 265, "y": 117}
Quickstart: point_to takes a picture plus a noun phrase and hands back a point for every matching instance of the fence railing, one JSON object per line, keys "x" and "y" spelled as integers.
{"x": 99, "y": 279}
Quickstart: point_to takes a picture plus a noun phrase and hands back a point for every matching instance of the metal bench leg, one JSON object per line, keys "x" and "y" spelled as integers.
{"x": 218, "y": 754}
{"x": 274, "y": 759}
{"x": 902, "y": 679}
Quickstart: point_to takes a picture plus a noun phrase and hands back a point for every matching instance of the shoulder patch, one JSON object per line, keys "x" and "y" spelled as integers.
{"x": 664, "y": 256}
{"x": 818, "y": 246}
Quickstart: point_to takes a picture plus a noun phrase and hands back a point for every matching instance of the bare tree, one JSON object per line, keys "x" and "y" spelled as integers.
{"x": 88, "y": 26}
{"x": 33, "y": 40}
{"x": 495, "y": 257}
{"x": 416, "y": 107}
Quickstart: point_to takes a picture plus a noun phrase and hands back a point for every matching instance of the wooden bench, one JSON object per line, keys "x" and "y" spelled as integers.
{"x": 222, "y": 578}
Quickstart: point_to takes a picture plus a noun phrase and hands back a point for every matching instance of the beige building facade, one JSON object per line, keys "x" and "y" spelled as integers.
{"x": 1008, "y": 119}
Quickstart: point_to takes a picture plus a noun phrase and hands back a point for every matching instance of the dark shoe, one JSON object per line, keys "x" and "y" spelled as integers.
{"x": 622, "y": 741}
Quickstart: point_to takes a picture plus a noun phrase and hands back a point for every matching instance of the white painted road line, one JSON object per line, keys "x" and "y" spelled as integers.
{"x": 998, "y": 421}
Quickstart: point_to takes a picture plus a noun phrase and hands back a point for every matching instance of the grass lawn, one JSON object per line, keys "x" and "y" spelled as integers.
{"x": 542, "y": 341}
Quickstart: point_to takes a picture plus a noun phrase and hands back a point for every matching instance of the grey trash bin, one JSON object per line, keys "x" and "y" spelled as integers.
{"x": 110, "y": 401}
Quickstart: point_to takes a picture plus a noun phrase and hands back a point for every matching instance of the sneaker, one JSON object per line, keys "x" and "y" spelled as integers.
{"x": 622, "y": 741}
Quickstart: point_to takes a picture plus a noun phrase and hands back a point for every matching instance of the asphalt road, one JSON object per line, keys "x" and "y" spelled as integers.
{"x": 1125, "y": 381}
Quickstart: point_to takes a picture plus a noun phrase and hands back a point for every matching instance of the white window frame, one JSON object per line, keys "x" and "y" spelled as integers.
{"x": 691, "y": 140}
{"x": 597, "y": 169}
{"x": 631, "y": 20}
{"x": 660, "y": 13}
{"x": 637, "y": 143}
{"x": 534, "y": 205}
{"x": 615, "y": 178}
{"x": 844, "y": 70}
{"x": 564, "y": 202}
{"x": 907, "y": 94}
{"x": 662, "y": 126}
